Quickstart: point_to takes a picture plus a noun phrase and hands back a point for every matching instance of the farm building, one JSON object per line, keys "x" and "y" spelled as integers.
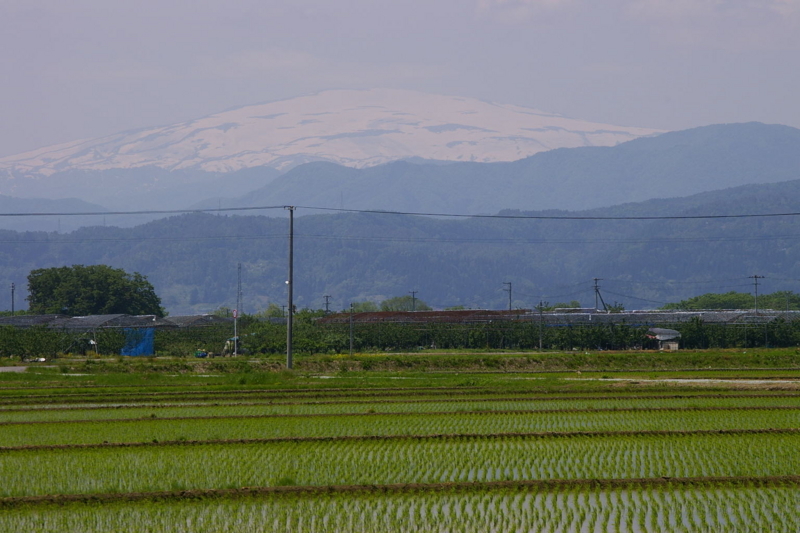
{"x": 667, "y": 338}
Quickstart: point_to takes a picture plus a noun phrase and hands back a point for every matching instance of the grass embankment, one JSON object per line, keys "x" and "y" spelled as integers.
{"x": 451, "y": 361}
{"x": 788, "y": 358}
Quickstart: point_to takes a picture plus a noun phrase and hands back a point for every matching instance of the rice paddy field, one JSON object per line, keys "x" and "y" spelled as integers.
{"x": 370, "y": 451}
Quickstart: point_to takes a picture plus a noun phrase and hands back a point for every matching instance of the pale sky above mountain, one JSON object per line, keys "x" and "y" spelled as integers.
{"x": 87, "y": 68}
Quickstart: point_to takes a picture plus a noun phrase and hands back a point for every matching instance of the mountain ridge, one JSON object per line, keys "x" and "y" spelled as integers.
{"x": 352, "y": 127}
{"x": 668, "y": 165}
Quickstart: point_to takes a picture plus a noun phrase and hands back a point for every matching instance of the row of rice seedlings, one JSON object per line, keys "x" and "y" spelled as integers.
{"x": 63, "y": 384}
{"x": 367, "y": 462}
{"x": 423, "y": 383}
{"x": 233, "y": 399}
{"x": 236, "y": 394}
{"x": 145, "y": 395}
{"x": 520, "y": 404}
{"x": 147, "y": 430}
{"x": 134, "y": 405}
{"x": 725, "y": 507}
{"x": 503, "y": 387}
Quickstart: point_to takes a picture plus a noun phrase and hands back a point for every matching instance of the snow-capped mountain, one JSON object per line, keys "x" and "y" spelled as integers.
{"x": 358, "y": 128}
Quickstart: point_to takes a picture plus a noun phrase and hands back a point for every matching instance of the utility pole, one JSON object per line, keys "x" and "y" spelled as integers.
{"x": 327, "y": 304}
{"x": 239, "y": 288}
{"x": 13, "y": 287}
{"x": 235, "y": 332}
{"x": 413, "y": 300}
{"x": 508, "y": 290}
{"x": 290, "y": 283}
{"x": 598, "y": 296}
{"x": 541, "y": 320}
{"x": 755, "y": 278}
{"x": 283, "y": 310}
{"x": 351, "y": 329}
{"x": 237, "y": 310}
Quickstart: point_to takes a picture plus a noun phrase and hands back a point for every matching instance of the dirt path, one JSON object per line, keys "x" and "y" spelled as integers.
{"x": 13, "y": 368}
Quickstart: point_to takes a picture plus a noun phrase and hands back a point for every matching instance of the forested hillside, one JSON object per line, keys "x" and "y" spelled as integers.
{"x": 191, "y": 259}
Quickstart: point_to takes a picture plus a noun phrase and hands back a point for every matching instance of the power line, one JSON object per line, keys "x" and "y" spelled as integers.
{"x": 550, "y": 241}
{"x": 784, "y": 279}
{"x": 549, "y": 217}
{"x": 635, "y": 297}
{"x": 551, "y": 296}
{"x": 141, "y": 239}
{"x": 397, "y": 239}
{"x": 407, "y": 213}
{"x": 729, "y": 286}
{"x": 58, "y": 240}
{"x": 569, "y": 286}
{"x": 590, "y": 289}
{"x": 634, "y": 282}
{"x": 147, "y": 212}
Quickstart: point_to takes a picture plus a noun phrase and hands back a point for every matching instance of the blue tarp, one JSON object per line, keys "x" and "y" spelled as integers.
{"x": 139, "y": 341}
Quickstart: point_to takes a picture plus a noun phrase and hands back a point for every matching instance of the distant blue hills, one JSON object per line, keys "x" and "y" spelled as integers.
{"x": 191, "y": 259}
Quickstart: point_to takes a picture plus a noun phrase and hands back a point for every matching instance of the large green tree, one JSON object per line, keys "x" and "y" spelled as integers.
{"x": 91, "y": 290}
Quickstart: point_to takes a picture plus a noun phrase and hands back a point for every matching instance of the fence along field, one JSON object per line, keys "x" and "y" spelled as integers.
{"x": 720, "y": 460}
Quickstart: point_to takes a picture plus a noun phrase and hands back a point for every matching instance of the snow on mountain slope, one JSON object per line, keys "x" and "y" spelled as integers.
{"x": 358, "y": 128}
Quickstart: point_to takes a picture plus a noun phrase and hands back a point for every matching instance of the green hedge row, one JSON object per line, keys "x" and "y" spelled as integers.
{"x": 309, "y": 337}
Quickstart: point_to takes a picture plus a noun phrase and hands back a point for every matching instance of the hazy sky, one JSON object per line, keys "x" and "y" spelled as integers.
{"x": 86, "y": 68}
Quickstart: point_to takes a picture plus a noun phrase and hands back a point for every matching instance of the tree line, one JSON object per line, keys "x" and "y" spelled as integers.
{"x": 779, "y": 300}
{"x": 191, "y": 260}
{"x": 263, "y": 337}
